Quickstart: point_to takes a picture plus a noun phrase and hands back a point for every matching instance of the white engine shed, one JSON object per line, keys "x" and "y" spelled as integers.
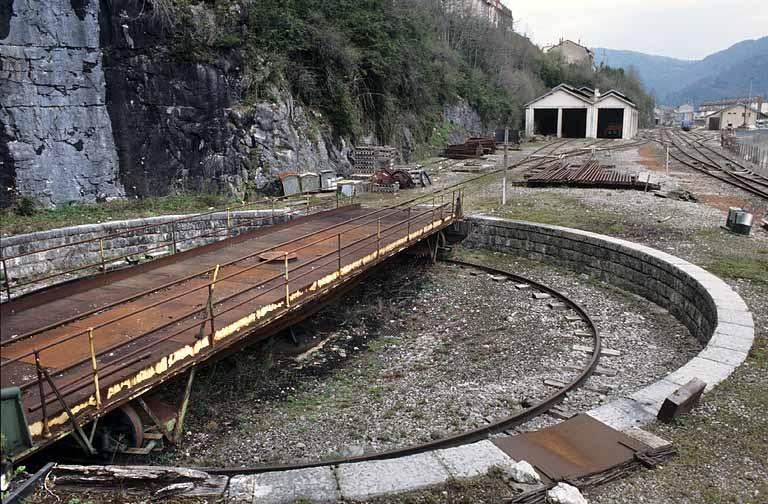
{"x": 568, "y": 112}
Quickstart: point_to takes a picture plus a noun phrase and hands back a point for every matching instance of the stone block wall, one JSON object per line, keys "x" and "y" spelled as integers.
{"x": 707, "y": 306}
{"x": 137, "y": 237}
{"x": 634, "y": 268}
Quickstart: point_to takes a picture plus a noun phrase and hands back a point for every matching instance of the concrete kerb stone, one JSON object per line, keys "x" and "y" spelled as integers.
{"x": 365, "y": 480}
{"x": 316, "y": 484}
{"x": 476, "y": 459}
{"x": 711, "y": 310}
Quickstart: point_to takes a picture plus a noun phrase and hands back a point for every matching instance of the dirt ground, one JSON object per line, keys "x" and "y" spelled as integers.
{"x": 391, "y": 345}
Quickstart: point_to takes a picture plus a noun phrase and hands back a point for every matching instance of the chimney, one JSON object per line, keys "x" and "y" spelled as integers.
{"x": 597, "y": 93}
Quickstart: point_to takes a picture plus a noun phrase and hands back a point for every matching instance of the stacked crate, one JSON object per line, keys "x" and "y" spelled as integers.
{"x": 370, "y": 158}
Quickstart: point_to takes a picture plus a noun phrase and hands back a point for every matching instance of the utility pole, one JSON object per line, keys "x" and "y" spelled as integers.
{"x": 504, "y": 180}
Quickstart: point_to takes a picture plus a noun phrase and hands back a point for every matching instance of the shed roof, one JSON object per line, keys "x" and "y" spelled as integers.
{"x": 585, "y": 94}
{"x": 567, "y": 89}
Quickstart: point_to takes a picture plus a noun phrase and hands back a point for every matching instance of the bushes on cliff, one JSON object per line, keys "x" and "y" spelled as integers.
{"x": 367, "y": 64}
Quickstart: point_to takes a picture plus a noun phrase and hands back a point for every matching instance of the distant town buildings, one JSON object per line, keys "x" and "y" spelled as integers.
{"x": 756, "y": 102}
{"x": 571, "y": 52}
{"x": 740, "y": 115}
{"x": 665, "y": 115}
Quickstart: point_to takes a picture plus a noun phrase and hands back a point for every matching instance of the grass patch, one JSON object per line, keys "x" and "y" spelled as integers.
{"x": 743, "y": 268}
{"x": 553, "y": 209}
{"x": 88, "y": 213}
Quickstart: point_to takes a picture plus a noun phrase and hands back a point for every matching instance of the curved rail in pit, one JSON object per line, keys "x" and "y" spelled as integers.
{"x": 472, "y": 435}
{"x": 757, "y": 185}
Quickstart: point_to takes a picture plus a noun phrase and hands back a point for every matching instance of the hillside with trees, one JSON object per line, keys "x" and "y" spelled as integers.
{"x": 377, "y": 65}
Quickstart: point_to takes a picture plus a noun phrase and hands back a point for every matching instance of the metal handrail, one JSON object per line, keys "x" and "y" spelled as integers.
{"x": 48, "y": 327}
{"x": 187, "y": 291}
{"x": 329, "y": 256}
{"x": 124, "y": 362}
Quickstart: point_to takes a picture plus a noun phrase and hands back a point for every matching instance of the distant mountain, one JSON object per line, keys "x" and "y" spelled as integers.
{"x": 723, "y": 74}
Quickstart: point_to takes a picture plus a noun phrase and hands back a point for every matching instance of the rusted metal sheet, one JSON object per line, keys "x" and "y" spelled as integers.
{"x": 572, "y": 449}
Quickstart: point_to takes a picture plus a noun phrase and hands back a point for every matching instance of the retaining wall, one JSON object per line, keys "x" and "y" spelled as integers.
{"x": 121, "y": 239}
{"x": 706, "y": 305}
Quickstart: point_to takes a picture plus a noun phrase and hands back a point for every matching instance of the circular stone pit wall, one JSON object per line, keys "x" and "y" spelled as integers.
{"x": 706, "y": 305}
{"x": 121, "y": 238}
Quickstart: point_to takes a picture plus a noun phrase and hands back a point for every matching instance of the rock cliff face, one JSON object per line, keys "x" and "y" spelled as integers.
{"x": 465, "y": 120}
{"x": 98, "y": 102}
{"x": 95, "y": 105}
{"x": 56, "y": 141}
{"x": 181, "y": 125}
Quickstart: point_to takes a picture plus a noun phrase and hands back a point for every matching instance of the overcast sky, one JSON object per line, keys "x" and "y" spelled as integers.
{"x": 688, "y": 29}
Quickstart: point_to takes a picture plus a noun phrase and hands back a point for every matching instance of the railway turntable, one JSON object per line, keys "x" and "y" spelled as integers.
{"x": 79, "y": 358}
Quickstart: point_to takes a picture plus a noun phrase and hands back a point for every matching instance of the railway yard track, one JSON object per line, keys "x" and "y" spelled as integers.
{"x": 692, "y": 151}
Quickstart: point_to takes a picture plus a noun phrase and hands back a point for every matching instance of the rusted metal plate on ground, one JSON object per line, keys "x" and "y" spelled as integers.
{"x": 573, "y": 448}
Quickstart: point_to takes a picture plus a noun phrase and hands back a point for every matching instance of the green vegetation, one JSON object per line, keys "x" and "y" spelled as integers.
{"x": 741, "y": 267}
{"x": 379, "y": 65}
{"x": 15, "y": 222}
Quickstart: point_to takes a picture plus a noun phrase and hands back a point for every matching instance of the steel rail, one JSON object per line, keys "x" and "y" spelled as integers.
{"x": 468, "y": 436}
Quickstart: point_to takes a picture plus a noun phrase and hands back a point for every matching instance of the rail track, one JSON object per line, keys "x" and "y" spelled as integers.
{"x": 500, "y": 426}
{"x": 693, "y": 153}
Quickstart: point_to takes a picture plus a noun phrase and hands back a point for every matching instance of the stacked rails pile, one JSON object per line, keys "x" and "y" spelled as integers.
{"x": 590, "y": 174}
{"x": 367, "y": 159}
{"x": 473, "y": 148}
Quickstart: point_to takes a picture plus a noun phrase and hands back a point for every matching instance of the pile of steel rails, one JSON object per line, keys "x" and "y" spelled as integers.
{"x": 589, "y": 174}
{"x": 474, "y": 147}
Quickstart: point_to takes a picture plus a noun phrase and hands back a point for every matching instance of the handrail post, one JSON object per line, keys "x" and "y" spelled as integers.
{"x": 434, "y": 202}
{"x": 101, "y": 253}
{"x": 338, "y": 253}
{"x": 453, "y": 202}
{"x": 209, "y": 307}
{"x": 272, "y": 200}
{"x": 211, "y": 312}
{"x": 378, "y": 237}
{"x": 337, "y": 198}
{"x": 287, "y": 290}
{"x": 7, "y": 280}
{"x": 229, "y": 223}
{"x": 308, "y": 199}
{"x": 94, "y": 368}
{"x": 408, "y": 232}
{"x": 38, "y": 366}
